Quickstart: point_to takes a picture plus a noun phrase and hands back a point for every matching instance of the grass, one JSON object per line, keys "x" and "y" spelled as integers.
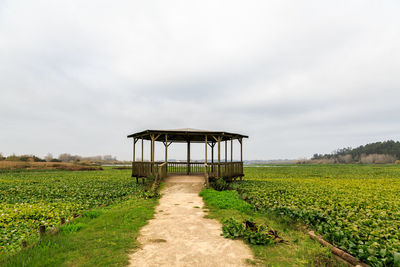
{"x": 102, "y": 237}
{"x": 299, "y": 250}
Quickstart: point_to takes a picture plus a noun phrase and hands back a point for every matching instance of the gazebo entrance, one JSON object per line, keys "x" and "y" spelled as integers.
{"x": 210, "y": 168}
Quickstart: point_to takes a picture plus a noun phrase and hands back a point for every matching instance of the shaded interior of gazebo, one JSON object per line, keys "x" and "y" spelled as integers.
{"x": 212, "y": 168}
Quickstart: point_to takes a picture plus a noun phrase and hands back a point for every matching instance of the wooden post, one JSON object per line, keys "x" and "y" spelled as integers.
{"x": 219, "y": 157}
{"x": 188, "y": 157}
{"x": 151, "y": 148}
{"x": 151, "y": 153}
{"x": 241, "y": 149}
{"x": 42, "y": 230}
{"x": 166, "y": 149}
{"x": 232, "y": 150}
{"x": 142, "y": 150}
{"x": 212, "y": 157}
{"x": 241, "y": 157}
{"x": 226, "y": 152}
{"x": 134, "y": 149}
{"x": 205, "y": 158}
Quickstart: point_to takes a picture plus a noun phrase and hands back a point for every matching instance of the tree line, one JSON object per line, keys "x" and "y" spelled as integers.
{"x": 65, "y": 157}
{"x": 378, "y": 152}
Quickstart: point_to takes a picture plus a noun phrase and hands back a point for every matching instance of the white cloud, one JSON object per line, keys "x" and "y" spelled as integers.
{"x": 298, "y": 77}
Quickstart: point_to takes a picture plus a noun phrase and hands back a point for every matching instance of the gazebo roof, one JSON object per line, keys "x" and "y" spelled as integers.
{"x": 186, "y": 134}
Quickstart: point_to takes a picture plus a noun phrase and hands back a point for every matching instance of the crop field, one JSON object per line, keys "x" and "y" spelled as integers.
{"x": 32, "y": 198}
{"x": 355, "y": 207}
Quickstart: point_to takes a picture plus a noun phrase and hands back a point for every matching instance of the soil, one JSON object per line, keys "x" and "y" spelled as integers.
{"x": 179, "y": 235}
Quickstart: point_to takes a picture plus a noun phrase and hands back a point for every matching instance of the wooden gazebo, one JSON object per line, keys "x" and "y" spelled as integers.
{"x": 227, "y": 169}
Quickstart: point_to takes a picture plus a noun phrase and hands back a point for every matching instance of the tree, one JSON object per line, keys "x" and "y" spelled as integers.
{"x": 48, "y": 157}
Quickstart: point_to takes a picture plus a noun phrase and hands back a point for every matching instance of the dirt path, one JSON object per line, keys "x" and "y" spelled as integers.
{"x": 179, "y": 235}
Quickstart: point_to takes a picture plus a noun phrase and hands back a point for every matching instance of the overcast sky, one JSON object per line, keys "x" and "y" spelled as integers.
{"x": 298, "y": 77}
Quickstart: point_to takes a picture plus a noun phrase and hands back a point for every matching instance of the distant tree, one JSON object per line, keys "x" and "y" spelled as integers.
{"x": 378, "y": 152}
{"x": 37, "y": 159}
{"x": 2, "y": 157}
{"x": 317, "y": 156}
{"x": 48, "y": 157}
{"x": 69, "y": 158}
{"x": 377, "y": 159}
{"x": 109, "y": 158}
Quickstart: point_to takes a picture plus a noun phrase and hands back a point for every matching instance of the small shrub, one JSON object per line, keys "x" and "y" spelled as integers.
{"x": 71, "y": 228}
{"x": 251, "y": 232}
{"x": 232, "y": 229}
{"x": 37, "y": 159}
{"x": 220, "y": 184}
{"x": 92, "y": 214}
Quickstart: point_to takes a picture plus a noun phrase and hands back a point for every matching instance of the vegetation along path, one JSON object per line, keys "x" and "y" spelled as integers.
{"x": 179, "y": 235}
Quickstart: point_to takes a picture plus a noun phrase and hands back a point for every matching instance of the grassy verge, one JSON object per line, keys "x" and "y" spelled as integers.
{"x": 299, "y": 250}
{"x": 102, "y": 237}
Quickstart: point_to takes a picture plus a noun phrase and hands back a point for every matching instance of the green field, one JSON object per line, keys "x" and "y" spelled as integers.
{"x": 32, "y": 198}
{"x": 355, "y": 207}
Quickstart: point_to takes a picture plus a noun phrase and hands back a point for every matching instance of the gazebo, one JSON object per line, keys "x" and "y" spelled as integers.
{"x": 227, "y": 169}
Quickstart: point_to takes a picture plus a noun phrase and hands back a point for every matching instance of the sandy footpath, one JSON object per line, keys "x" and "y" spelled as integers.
{"x": 179, "y": 235}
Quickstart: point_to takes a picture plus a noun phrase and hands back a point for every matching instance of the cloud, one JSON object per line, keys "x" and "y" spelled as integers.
{"x": 299, "y": 78}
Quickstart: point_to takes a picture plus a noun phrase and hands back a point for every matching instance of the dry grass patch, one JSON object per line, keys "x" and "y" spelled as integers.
{"x": 15, "y": 165}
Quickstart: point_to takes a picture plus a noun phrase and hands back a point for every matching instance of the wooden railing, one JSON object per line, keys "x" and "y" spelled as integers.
{"x": 226, "y": 170}
{"x": 182, "y": 167}
{"x": 142, "y": 168}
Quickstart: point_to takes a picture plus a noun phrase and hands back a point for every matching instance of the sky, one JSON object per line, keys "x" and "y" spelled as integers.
{"x": 297, "y": 77}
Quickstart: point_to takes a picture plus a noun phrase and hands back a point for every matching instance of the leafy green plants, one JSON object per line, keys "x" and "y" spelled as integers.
{"x": 29, "y": 199}
{"x": 356, "y": 208}
{"x": 250, "y": 232}
{"x": 93, "y": 213}
{"x": 219, "y": 184}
